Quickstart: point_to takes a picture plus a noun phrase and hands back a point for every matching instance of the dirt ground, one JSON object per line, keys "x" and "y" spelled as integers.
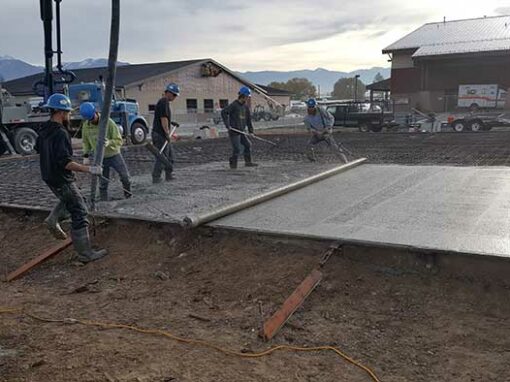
{"x": 405, "y": 324}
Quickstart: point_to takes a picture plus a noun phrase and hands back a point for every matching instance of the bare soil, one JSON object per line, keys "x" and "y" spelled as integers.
{"x": 405, "y": 324}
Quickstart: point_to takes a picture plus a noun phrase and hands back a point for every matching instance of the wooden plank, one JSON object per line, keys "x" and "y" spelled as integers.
{"x": 50, "y": 252}
{"x": 293, "y": 302}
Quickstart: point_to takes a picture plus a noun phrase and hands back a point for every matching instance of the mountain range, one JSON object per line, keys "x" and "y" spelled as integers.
{"x": 12, "y": 68}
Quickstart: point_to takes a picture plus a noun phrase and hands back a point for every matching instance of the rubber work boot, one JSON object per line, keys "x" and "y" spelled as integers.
{"x": 248, "y": 162}
{"x": 81, "y": 242}
{"x": 169, "y": 177}
{"x": 233, "y": 163}
{"x": 127, "y": 190}
{"x": 54, "y": 227}
{"x": 156, "y": 180}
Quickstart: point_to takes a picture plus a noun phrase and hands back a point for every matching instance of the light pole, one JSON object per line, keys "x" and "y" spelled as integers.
{"x": 356, "y": 87}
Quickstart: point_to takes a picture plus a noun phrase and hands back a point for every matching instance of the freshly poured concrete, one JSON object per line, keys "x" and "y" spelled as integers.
{"x": 454, "y": 209}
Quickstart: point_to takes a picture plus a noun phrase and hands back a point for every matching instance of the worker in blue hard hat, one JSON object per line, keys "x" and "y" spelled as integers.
{"x": 57, "y": 171}
{"x": 161, "y": 132}
{"x": 237, "y": 117}
{"x": 319, "y": 123}
{"x": 113, "y": 158}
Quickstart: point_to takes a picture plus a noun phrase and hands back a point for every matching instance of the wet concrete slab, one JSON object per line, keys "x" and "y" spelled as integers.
{"x": 452, "y": 209}
{"x": 201, "y": 188}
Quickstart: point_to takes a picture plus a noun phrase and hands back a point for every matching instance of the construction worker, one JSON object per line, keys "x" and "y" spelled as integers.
{"x": 320, "y": 124}
{"x": 57, "y": 167}
{"x": 237, "y": 116}
{"x": 112, "y": 155}
{"x": 161, "y": 132}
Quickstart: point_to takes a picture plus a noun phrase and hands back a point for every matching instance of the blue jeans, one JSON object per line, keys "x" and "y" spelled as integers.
{"x": 70, "y": 199}
{"x": 119, "y": 165}
{"x": 240, "y": 143}
{"x": 158, "y": 141}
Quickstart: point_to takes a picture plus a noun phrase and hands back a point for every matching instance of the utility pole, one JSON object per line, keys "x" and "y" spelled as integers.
{"x": 356, "y": 87}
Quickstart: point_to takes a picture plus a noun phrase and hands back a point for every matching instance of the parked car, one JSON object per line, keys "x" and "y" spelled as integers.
{"x": 363, "y": 115}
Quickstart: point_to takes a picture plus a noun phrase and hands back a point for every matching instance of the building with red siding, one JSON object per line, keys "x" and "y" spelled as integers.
{"x": 429, "y": 64}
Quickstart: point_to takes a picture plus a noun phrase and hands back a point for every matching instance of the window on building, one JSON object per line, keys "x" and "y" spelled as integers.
{"x": 191, "y": 105}
{"x": 223, "y": 103}
{"x": 208, "y": 106}
{"x": 152, "y": 107}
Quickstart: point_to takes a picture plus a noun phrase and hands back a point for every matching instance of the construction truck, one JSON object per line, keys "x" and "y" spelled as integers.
{"x": 20, "y": 122}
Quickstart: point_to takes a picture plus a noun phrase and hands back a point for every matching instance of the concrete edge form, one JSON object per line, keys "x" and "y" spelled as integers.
{"x": 193, "y": 221}
{"x": 357, "y": 242}
{"x": 96, "y": 214}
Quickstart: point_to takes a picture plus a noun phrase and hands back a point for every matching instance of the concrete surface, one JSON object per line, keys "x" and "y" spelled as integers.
{"x": 457, "y": 209}
{"x": 202, "y": 188}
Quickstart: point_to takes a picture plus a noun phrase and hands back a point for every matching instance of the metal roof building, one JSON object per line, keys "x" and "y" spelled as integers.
{"x": 430, "y": 63}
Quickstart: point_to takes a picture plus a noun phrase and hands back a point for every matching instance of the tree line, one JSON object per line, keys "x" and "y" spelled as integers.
{"x": 344, "y": 88}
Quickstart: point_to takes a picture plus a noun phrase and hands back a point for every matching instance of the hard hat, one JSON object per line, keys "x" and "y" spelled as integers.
{"x": 173, "y": 88}
{"x": 58, "y": 101}
{"x": 87, "y": 111}
{"x": 311, "y": 103}
{"x": 245, "y": 91}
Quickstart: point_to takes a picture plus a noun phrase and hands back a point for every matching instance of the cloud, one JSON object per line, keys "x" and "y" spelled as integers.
{"x": 271, "y": 33}
{"x": 502, "y": 10}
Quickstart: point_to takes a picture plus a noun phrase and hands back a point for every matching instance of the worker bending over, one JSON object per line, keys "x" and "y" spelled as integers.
{"x": 320, "y": 124}
{"x": 112, "y": 155}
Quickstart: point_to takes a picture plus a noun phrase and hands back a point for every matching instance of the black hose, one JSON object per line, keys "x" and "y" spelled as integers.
{"x": 107, "y": 103}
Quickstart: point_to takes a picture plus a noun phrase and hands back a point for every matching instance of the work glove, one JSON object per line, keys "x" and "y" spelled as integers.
{"x": 86, "y": 161}
{"x": 96, "y": 170}
{"x": 175, "y": 124}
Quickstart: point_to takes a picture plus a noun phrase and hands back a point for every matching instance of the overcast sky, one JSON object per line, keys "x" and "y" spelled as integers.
{"x": 243, "y": 35}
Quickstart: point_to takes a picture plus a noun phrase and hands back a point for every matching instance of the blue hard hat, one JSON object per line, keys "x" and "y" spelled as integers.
{"x": 311, "y": 103}
{"x": 245, "y": 91}
{"x": 58, "y": 101}
{"x": 87, "y": 111}
{"x": 173, "y": 88}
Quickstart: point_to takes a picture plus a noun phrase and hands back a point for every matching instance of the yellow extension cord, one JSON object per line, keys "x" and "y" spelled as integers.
{"x": 164, "y": 333}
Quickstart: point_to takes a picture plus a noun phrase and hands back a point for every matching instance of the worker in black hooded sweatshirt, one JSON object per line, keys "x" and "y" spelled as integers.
{"x": 57, "y": 166}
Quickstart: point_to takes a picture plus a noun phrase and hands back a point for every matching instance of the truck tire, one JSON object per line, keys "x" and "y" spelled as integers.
{"x": 24, "y": 141}
{"x": 256, "y": 117}
{"x": 476, "y": 125}
{"x": 138, "y": 133}
{"x": 458, "y": 126}
{"x": 267, "y": 117}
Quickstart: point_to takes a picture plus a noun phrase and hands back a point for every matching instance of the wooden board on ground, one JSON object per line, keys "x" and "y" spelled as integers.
{"x": 50, "y": 252}
{"x": 293, "y": 302}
